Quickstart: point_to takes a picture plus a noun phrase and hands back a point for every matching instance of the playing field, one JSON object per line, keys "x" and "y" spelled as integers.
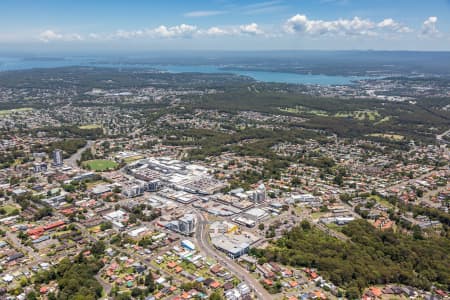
{"x": 394, "y": 137}
{"x": 16, "y": 110}
{"x": 91, "y": 126}
{"x": 302, "y": 110}
{"x": 9, "y": 208}
{"x": 100, "y": 165}
{"x": 360, "y": 115}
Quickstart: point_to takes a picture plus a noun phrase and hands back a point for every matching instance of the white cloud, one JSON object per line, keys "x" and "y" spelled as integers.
{"x": 94, "y": 36}
{"x": 203, "y": 13}
{"x": 246, "y": 29}
{"x": 124, "y": 34}
{"x": 162, "y": 31}
{"x": 429, "y": 28}
{"x": 342, "y": 27}
{"x": 250, "y": 29}
{"x": 217, "y": 31}
{"x": 298, "y": 24}
{"x": 355, "y": 26}
{"x": 50, "y": 35}
{"x": 74, "y": 37}
{"x": 179, "y": 31}
{"x": 188, "y": 31}
{"x": 390, "y": 24}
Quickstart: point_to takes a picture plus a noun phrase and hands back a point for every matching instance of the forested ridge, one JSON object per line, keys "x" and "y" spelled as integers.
{"x": 372, "y": 256}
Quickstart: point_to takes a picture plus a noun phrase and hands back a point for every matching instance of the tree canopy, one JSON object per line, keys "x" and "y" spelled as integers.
{"x": 372, "y": 256}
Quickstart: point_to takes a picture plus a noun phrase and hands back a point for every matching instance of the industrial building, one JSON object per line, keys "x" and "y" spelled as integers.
{"x": 188, "y": 245}
{"x": 259, "y": 195}
{"x": 305, "y": 199}
{"x": 232, "y": 245}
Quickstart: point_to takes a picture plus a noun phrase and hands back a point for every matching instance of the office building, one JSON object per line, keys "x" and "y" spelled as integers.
{"x": 39, "y": 167}
{"x": 57, "y": 157}
{"x": 187, "y": 223}
{"x": 184, "y": 225}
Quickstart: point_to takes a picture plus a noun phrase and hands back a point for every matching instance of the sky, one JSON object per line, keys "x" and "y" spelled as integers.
{"x": 181, "y": 25}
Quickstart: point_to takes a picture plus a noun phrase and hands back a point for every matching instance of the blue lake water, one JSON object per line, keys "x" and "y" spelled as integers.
{"x": 266, "y": 76}
{"x": 8, "y": 64}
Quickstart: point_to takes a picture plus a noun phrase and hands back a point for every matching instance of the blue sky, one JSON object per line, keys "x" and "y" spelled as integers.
{"x": 141, "y": 25}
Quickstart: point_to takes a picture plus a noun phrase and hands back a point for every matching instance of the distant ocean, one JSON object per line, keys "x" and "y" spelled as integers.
{"x": 11, "y": 63}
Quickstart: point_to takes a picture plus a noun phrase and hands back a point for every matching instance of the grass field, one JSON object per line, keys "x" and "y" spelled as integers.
{"x": 133, "y": 158}
{"x": 60, "y": 233}
{"x": 385, "y": 119}
{"x": 360, "y": 115}
{"x": 94, "y": 229}
{"x": 394, "y": 137}
{"x": 381, "y": 201}
{"x": 334, "y": 226}
{"x": 304, "y": 110}
{"x": 318, "y": 215}
{"x": 9, "y": 208}
{"x": 100, "y": 165}
{"x": 91, "y": 126}
{"x": 92, "y": 184}
{"x": 11, "y": 111}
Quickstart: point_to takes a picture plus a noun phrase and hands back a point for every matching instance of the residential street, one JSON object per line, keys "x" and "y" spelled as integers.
{"x": 202, "y": 239}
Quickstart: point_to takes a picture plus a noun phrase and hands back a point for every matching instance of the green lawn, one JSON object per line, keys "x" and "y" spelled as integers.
{"x": 100, "y": 165}
{"x": 317, "y": 215}
{"x": 334, "y": 226}
{"x": 301, "y": 109}
{"x": 9, "y": 208}
{"x": 91, "y": 184}
{"x": 90, "y": 126}
{"x": 10, "y": 111}
{"x": 381, "y": 200}
{"x": 385, "y": 119}
{"x": 394, "y": 137}
{"x": 360, "y": 115}
{"x": 133, "y": 158}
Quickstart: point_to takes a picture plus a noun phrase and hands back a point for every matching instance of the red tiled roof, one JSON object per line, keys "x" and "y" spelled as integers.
{"x": 376, "y": 291}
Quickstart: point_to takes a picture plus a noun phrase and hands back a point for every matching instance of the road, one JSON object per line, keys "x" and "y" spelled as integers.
{"x": 72, "y": 161}
{"x": 201, "y": 236}
{"x": 427, "y": 194}
{"x": 336, "y": 234}
{"x": 440, "y": 137}
{"x": 14, "y": 240}
{"x": 411, "y": 181}
{"x": 105, "y": 285}
{"x": 130, "y": 253}
{"x": 34, "y": 257}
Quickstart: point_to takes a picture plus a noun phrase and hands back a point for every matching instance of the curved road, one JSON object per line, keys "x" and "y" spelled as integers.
{"x": 72, "y": 161}
{"x": 440, "y": 137}
{"x": 201, "y": 236}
